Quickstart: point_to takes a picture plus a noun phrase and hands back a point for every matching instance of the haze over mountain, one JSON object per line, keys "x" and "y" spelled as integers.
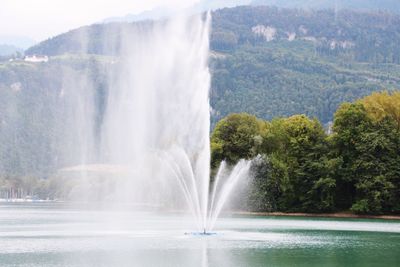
{"x": 9, "y": 44}
{"x": 7, "y": 50}
{"x": 163, "y": 12}
{"x": 362, "y": 5}
{"x": 42, "y": 19}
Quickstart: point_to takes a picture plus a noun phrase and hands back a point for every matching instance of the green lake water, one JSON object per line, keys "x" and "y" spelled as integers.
{"x": 53, "y": 234}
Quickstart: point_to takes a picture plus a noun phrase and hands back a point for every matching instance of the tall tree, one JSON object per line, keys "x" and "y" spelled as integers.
{"x": 236, "y": 137}
{"x": 303, "y": 153}
{"x": 366, "y": 144}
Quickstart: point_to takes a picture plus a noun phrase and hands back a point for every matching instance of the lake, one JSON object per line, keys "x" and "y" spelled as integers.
{"x": 57, "y": 234}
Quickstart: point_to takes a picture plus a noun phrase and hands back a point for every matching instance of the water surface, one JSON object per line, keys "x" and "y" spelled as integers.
{"x": 54, "y": 234}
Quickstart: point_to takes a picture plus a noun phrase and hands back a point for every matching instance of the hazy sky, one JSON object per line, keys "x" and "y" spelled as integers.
{"x": 40, "y": 19}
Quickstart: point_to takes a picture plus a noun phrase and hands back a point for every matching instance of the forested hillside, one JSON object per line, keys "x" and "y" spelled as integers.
{"x": 278, "y": 62}
{"x": 265, "y": 61}
{"x": 40, "y": 105}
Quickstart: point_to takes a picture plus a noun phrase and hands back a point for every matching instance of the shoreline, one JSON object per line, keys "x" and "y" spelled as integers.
{"x": 24, "y": 200}
{"x": 342, "y": 215}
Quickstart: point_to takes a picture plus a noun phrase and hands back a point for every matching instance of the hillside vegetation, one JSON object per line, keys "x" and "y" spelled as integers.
{"x": 278, "y": 62}
{"x": 265, "y": 61}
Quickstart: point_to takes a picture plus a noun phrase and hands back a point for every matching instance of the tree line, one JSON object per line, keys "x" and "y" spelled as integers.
{"x": 302, "y": 167}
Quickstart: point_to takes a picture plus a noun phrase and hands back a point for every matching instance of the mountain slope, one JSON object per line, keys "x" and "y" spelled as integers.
{"x": 368, "y": 37}
{"x": 278, "y": 62}
{"x": 266, "y": 61}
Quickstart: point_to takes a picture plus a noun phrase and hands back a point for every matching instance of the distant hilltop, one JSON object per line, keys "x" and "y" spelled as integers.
{"x": 361, "y": 5}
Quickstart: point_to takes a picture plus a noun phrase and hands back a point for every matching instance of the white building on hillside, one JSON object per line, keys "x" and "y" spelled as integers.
{"x": 36, "y": 58}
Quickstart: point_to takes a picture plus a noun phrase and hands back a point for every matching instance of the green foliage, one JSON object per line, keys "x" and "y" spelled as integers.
{"x": 234, "y": 138}
{"x": 367, "y": 139}
{"x": 294, "y": 173}
{"x": 301, "y": 154}
{"x": 301, "y": 169}
{"x": 278, "y": 79}
{"x": 333, "y": 59}
{"x": 266, "y": 190}
{"x": 383, "y": 105}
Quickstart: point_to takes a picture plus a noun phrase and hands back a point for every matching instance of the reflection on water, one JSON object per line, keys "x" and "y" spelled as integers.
{"x": 58, "y": 235}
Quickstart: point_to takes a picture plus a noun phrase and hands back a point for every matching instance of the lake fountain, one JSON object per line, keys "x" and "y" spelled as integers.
{"x": 127, "y": 121}
{"x": 150, "y": 151}
{"x": 156, "y": 122}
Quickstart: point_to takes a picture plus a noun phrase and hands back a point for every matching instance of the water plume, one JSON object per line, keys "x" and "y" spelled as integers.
{"x": 131, "y": 124}
{"x": 157, "y": 120}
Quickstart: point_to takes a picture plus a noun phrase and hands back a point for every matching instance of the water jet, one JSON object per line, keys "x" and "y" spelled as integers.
{"x": 157, "y": 120}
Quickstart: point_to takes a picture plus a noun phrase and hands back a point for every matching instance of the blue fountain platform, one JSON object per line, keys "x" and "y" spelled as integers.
{"x": 201, "y": 233}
